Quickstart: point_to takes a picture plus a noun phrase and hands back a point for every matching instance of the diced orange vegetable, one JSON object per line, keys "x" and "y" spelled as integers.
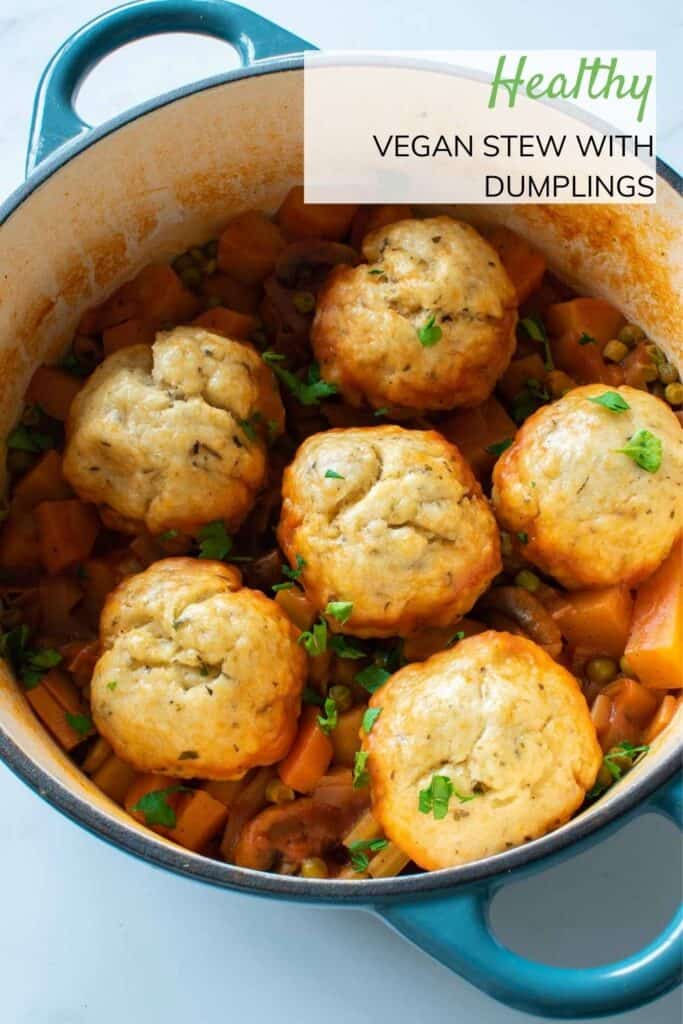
{"x": 313, "y": 220}
{"x": 655, "y": 643}
{"x": 594, "y": 317}
{"x": 99, "y": 579}
{"x": 662, "y": 717}
{"x": 596, "y": 621}
{"x": 156, "y": 295}
{"x": 199, "y": 818}
{"x": 584, "y": 363}
{"x": 244, "y": 298}
{"x": 421, "y": 645}
{"x": 151, "y": 783}
{"x": 81, "y": 660}
{"x": 639, "y": 367}
{"x": 250, "y": 800}
{"x": 524, "y": 264}
{"x": 369, "y": 218}
{"x": 600, "y": 713}
{"x": 296, "y": 607}
{"x": 309, "y": 756}
{"x": 53, "y": 390}
{"x": 43, "y": 482}
{"x": 58, "y": 596}
{"x": 632, "y": 700}
{"x": 130, "y": 332}
{"x": 519, "y": 372}
{"x": 227, "y": 322}
{"x": 475, "y": 430}
{"x": 67, "y": 531}
{"x": 114, "y": 778}
{"x": 346, "y": 736}
{"x": 249, "y": 246}
{"x": 19, "y": 545}
{"x": 53, "y": 699}
{"x": 224, "y": 790}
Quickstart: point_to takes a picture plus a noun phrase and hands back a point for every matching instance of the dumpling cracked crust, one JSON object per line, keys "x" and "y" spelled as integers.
{"x": 394, "y": 522}
{"x": 199, "y": 677}
{"x": 157, "y": 438}
{"x": 427, "y": 323}
{"x": 507, "y": 727}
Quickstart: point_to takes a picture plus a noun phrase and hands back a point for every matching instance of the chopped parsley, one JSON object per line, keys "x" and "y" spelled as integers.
{"x": 535, "y": 329}
{"x": 645, "y": 449}
{"x": 156, "y": 808}
{"x": 529, "y": 400}
{"x": 456, "y": 638}
{"x": 435, "y": 799}
{"x": 429, "y": 333}
{"x": 372, "y": 677}
{"x": 214, "y": 541}
{"x": 369, "y": 718}
{"x": 309, "y": 391}
{"x": 295, "y": 573}
{"x": 168, "y": 535}
{"x": 112, "y": 685}
{"x": 328, "y": 721}
{"x": 611, "y": 400}
{"x": 587, "y": 339}
{"x": 383, "y": 411}
{"x": 332, "y": 474}
{"x": 30, "y": 665}
{"x": 499, "y": 447}
{"x": 314, "y": 640}
{"x": 343, "y": 649}
{"x": 82, "y": 724}
{"x": 339, "y": 610}
{"x": 358, "y": 852}
{"x": 29, "y": 439}
{"x": 360, "y": 774}
{"x": 522, "y": 537}
{"x": 614, "y": 767}
{"x": 249, "y": 427}
{"x": 287, "y": 585}
{"x": 375, "y": 271}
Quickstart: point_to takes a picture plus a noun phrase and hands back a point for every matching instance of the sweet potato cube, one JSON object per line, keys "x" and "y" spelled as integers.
{"x": 114, "y": 778}
{"x": 655, "y": 643}
{"x": 227, "y": 322}
{"x": 346, "y": 736}
{"x": 473, "y": 431}
{"x": 249, "y": 246}
{"x": 199, "y": 818}
{"x": 309, "y": 756}
{"x": 58, "y": 705}
{"x": 131, "y": 332}
{"x": 43, "y": 482}
{"x": 19, "y": 544}
{"x": 67, "y": 531}
{"x": 597, "y": 621}
{"x": 313, "y": 220}
{"x": 594, "y": 317}
{"x": 244, "y": 298}
{"x": 524, "y": 264}
{"x": 53, "y": 390}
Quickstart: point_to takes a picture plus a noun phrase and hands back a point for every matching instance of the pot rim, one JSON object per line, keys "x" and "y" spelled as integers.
{"x": 147, "y": 846}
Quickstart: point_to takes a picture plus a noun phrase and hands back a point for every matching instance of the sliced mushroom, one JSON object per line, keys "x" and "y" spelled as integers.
{"x": 527, "y": 612}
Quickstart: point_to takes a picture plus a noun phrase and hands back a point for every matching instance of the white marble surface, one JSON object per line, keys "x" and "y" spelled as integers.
{"x": 91, "y": 935}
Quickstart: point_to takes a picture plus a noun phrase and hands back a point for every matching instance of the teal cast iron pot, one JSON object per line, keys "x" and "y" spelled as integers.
{"x": 98, "y": 205}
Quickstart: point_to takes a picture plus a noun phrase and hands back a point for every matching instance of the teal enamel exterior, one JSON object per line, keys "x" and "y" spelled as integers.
{"x": 448, "y": 920}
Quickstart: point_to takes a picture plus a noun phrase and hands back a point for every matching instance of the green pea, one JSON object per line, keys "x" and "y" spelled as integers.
{"x": 602, "y": 670}
{"x": 191, "y": 277}
{"x": 303, "y": 302}
{"x": 342, "y": 697}
{"x": 313, "y": 867}
{"x": 528, "y": 580}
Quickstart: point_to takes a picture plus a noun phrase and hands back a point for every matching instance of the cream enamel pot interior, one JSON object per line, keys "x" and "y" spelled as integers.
{"x": 168, "y": 174}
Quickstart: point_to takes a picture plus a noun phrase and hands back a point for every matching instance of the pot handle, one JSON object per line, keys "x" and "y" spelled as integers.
{"x": 55, "y": 121}
{"x": 455, "y": 929}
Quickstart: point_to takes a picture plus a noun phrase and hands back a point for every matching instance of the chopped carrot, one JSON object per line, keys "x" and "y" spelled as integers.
{"x": 153, "y": 783}
{"x": 67, "y": 531}
{"x": 596, "y": 621}
{"x": 432, "y": 639}
{"x": 99, "y": 579}
{"x": 346, "y": 736}
{"x": 156, "y": 295}
{"x": 244, "y": 298}
{"x": 600, "y": 713}
{"x": 53, "y": 390}
{"x": 249, "y": 246}
{"x": 473, "y": 431}
{"x": 130, "y": 332}
{"x": 57, "y": 703}
{"x": 313, "y": 220}
{"x": 58, "y": 596}
{"x": 199, "y": 818}
{"x": 369, "y": 218}
{"x": 662, "y": 717}
{"x": 114, "y": 778}
{"x": 639, "y": 367}
{"x": 309, "y": 756}
{"x": 584, "y": 362}
{"x": 19, "y": 544}
{"x": 655, "y": 644}
{"x": 227, "y": 322}
{"x": 43, "y": 482}
{"x": 594, "y": 317}
{"x": 519, "y": 372}
{"x": 224, "y": 790}
{"x": 632, "y": 700}
{"x": 296, "y": 607}
{"x": 524, "y": 264}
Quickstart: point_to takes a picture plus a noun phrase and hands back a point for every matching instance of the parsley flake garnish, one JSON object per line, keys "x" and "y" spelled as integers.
{"x": 248, "y": 428}
{"x": 309, "y": 391}
{"x": 372, "y": 677}
{"x": 456, "y": 638}
{"x": 339, "y": 610}
{"x": 343, "y": 649}
{"x": 331, "y": 474}
{"x": 429, "y": 333}
{"x": 360, "y": 774}
{"x": 645, "y": 449}
{"x": 29, "y": 665}
{"x": 499, "y": 447}
{"x": 383, "y": 411}
{"x": 535, "y": 329}
{"x": 287, "y": 585}
{"x": 81, "y": 724}
{"x": 156, "y": 808}
{"x": 529, "y": 400}
{"x": 28, "y": 439}
{"x": 614, "y": 766}
{"x": 112, "y": 685}
{"x": 611, "y": 400}
{"x": 214, "y": 541}
{"x": 587, "y": 339}
{"x": 328, "y": 721}
{"x": 369, "y": 718}
{"x": 314, "y": 640}
{"x": 358, "y": 852}
{"x": 295, "y": 573}
{"x": 522, "y": 537}
{"x": 435, "y": 799}
{"x": 375, "y": 271}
